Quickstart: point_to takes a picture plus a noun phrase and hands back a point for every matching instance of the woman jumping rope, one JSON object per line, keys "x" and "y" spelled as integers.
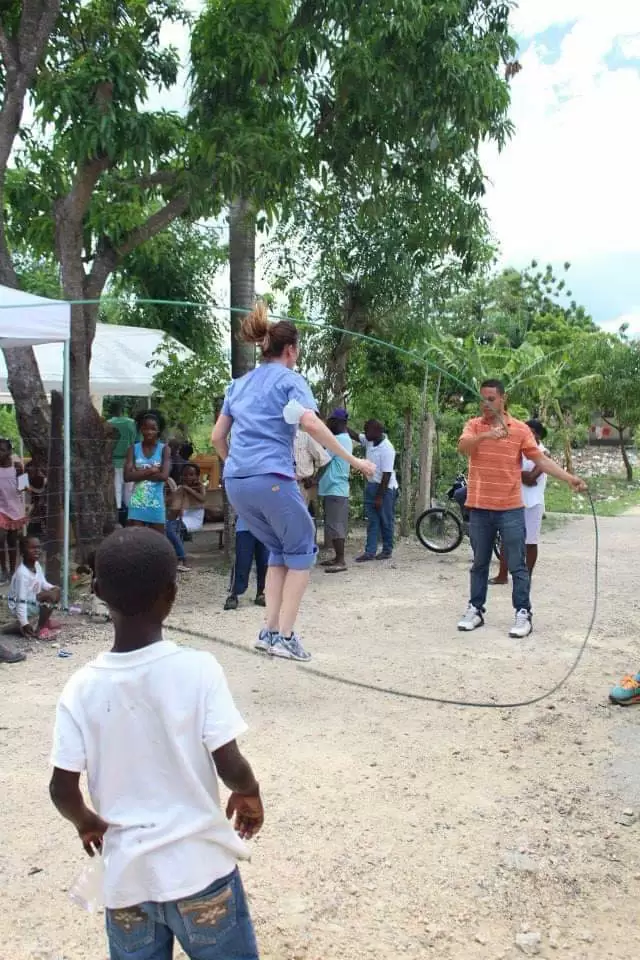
{"x": 265, "y": 408}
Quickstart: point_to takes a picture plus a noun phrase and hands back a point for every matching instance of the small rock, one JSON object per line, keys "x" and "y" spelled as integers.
{"x": 585, "y": 936}
{"x": 627, "y": 813}
{"x": 529, "y": 943}
{"x": 480, "y": 939}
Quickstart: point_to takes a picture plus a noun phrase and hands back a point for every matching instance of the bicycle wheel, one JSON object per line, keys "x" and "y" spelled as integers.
{"x": 439, "y": 530}
{"x": 497, "y": 546}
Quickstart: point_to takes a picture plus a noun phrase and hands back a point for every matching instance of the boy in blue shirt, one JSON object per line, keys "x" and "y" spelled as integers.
{"x": 334, "y": 489}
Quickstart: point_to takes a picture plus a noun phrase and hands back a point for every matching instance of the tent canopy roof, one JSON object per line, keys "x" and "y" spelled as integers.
{"x": 118, "y": 361}
{"x": 26, "y": 320}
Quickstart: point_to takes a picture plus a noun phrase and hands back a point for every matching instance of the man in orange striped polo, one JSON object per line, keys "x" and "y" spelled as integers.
{"x": 495, "y": 444}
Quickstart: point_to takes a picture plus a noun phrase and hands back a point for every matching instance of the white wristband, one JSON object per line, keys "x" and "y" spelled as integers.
{"x": 293, "y": 412}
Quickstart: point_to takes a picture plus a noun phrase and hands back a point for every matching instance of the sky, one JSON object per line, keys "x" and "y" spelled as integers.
{"x": 565, "y": 188}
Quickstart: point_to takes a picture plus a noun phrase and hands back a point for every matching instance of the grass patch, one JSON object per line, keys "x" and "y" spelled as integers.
{"x": 612, "y": 496}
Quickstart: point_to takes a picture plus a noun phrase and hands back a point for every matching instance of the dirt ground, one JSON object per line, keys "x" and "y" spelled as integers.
{"x": 394, "y": 828}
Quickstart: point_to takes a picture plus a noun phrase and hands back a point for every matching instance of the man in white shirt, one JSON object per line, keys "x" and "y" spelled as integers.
{"x": 534, "y": 483}
{"x": 381, "y": 493}
{"x": 309, "y": 457}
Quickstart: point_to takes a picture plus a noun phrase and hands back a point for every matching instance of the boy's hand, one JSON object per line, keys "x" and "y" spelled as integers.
{"x": 91, "y": 830}
{"x": 27, "y": 630}
{"x": 248, "y": 812}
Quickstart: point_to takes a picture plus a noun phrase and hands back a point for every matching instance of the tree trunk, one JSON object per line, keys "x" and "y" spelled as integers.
{"x": 242, "y": 270}
{"x": 407, "y": 453}
{"x": 423, "y": 501}
{"x": 30, "y": 401}
{"x": 625, "y": 456}
{"x": 55, "y": 491}
{"x": 354, "y": 319}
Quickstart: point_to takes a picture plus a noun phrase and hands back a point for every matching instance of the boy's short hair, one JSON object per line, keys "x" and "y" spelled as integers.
{"x": 133, "y": 566}
{"x": 191, "y": 465}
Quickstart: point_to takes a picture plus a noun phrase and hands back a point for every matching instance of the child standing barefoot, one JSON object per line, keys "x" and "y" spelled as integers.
{"x": 151, "y": 723}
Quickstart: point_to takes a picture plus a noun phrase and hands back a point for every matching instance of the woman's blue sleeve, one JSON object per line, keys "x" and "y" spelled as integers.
{"x": 226, "y": 406}
{"x": 298, "y": 389}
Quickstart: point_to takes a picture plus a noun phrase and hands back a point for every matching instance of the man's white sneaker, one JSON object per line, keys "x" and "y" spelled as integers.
{"x": 522, "y": 626}
{"x": 472, "y": 619}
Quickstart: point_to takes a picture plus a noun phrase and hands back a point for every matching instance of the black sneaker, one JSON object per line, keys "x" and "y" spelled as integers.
{"x": 231, "y": 603}
{"x": 260, "y": 600}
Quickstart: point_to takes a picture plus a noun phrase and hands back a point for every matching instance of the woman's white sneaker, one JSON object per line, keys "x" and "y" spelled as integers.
{"x": 522, "y": 626}
{"x": 472, "y": 619}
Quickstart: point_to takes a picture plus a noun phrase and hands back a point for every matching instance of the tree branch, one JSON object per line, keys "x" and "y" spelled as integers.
{"x": 108, "y": 257}
{"x": 161, "y": 178}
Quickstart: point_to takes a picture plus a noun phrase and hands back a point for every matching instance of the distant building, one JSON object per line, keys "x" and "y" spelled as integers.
{"x": 603, "y": 434}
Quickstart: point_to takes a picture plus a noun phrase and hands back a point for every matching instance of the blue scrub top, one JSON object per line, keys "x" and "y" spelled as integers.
{"x": 261, "y": 440}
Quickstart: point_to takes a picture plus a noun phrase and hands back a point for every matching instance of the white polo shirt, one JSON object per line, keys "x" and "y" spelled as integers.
{"x": 144, "y": 725}
{"x": 534, "y": 496}
{"x": 383, "y": 455}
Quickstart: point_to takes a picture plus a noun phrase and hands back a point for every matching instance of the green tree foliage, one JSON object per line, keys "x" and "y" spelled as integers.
{"x": 95, "y": 175}
{"x": 176, "y": 266}
{"x": 186, "y": 387}
{"x": 613, "y": 390}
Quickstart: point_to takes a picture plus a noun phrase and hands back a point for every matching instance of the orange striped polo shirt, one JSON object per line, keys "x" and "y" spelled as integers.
{"x": 495, "y": 466}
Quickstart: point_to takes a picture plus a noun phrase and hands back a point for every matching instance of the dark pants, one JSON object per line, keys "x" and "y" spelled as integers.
{"x": 248, "y": 547}
{"x": 379, "y": 522}
{"x": 483, "y": 526}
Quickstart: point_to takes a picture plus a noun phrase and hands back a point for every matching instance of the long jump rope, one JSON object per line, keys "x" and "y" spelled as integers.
{"x": 331, "y": 677}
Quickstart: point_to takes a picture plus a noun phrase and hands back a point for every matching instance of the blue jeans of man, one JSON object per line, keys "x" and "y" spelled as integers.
{"x": 248, "y": 547}
{"x": 379, "y": 522}
{"x": 483, "y": 526}
{"x": 211, "y": 925}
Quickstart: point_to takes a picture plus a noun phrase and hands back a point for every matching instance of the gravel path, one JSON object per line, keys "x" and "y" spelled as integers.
{"x": 394, "y": 828}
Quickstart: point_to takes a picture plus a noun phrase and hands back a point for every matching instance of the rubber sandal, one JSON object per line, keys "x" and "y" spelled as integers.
{"x": 336, "y": 568}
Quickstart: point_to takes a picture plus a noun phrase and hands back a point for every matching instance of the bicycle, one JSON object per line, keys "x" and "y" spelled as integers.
{"x": 441, "y": 529}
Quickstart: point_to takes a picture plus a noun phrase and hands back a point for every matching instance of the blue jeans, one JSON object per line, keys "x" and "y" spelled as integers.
{"x": 379, "y": 522}
{"x": 248, "y": 547}
{"x": 211, "y": 925}
{"x": 173, "y": 535}
{"x": 483, "y": 526}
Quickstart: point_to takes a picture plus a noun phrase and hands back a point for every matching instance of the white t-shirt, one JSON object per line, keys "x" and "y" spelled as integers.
{"x": 533, "y": 496}
{"x": 144, "y": 725}
{"x": 25, "y": 586}
{"x": 384, "y": 457}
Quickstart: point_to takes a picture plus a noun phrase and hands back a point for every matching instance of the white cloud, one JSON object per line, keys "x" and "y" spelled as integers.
{"x": 565, "y": 186}
{"x": 631, "y": 320}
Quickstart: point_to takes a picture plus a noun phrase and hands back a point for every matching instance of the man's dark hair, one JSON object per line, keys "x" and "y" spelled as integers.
{"x": 133, "y": 566}
{"x": 117, "y": 408}
{"x": 496, "y": 385}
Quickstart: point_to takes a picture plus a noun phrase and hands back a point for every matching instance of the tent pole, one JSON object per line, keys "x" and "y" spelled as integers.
{"x": 66, "y": 387}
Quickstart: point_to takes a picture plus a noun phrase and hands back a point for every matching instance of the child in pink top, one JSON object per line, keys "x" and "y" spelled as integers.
{"x": 12, "y": 509}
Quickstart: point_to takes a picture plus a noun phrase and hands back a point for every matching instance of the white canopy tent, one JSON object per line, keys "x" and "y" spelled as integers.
{"x": 27, "y": 320}
{"x": 120, "y": 359}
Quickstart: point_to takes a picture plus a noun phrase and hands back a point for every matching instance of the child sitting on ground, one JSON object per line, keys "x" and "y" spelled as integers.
{"x": 192, "y": 496}
{"x": 145, "y": 720}
{"x": 31, "y": 596}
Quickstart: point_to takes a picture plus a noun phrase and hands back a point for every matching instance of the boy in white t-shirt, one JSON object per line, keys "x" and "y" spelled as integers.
{"x": 151, "y": 723}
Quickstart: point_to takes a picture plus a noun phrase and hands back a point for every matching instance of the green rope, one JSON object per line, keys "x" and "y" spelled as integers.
{"x": 319, "y": 325}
